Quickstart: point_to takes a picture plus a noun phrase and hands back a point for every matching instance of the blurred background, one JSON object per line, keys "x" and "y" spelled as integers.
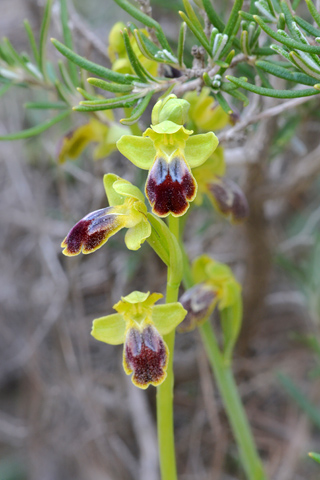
{"x": 67, "y": 410}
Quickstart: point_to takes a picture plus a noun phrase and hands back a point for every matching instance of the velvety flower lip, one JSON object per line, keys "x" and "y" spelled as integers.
{"x": 199, "y": 301}
{"x": 228, "y": 198}
{"x": 170, "y": 186}
{"x": 92, "y": 231}
{"x": 145, "y": 355}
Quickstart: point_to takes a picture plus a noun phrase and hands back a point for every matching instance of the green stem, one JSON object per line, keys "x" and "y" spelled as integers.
{"x": 229, "y": 392}
{"x": 165, "y": 418}
{"x": 174, "y": 225}
{"x": 165, "y": 390}
{"x": 233, "y": 405}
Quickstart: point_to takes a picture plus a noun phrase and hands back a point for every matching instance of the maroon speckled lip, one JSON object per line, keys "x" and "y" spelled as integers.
{"x": 91, "y": 232}
{"x": 170, "y": 187}
{"x": 198, "y": 301}
{"x": 145, "y": 354}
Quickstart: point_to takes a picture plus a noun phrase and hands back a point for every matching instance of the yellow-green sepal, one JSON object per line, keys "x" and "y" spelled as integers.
{"x": 116, "y": 42}
{"x": 199, "y": 148}
{"x": 170, "y": 108}
{"x": 139, "y": 150}
{"x": 136, "y": 235}
{"x": 126, "y": 189}
{"x": 169, "y": 128}
{"x": 117, "y": 189}
{"x": 220, "y": 276}
{"x": 109, "y": 140}
{"x": 110, "y": 329}
{"x": 199, "y": 268}
{"x": 167, "y": 317}
{"x": 231, "y": 319}
{"x": 114, "y": 198}
{"x": 218, "y": 271}
{"x": 136, "y": 297}
{"x": 204, "y": 113}
{"x": 214, "y": 165}
{"x": 230, "y": 291}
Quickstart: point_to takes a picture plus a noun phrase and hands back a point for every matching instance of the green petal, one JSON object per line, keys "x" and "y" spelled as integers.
{"x": 158, "y": 107}
{"x": 139, "y": 150}
{"x": 174, "y": 110}
{"x": 152, "y": 299}
{"x": 167, "y": 317}
{"x": 135, "y": 236}
{"x": 114, "y": 198}
{"x": 109, "y": 329}
{"x": 136, "y": 297}
{"x": 169, "y": 127}
{"x": 231, "y": 318}
{"x": 199, "y": 268}
{"x": 125, "y": 188}
{"x": 219, "y": 271}
{"x": 102, "y": 150}
{"x": 107, "y": 143}
{"x": 199, "y": 148}
{"x": 230, "y": 295}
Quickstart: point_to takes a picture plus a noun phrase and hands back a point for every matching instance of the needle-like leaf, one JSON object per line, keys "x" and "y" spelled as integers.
{"x": 109, "y": 87}
{"x": 32, "y": 41}
{"x": 181, "y": 41}
{"x": 223, "y": 103}
{"x": 67, "y": 37}
{"x": 146, "y": 20}
{"x": 43, "y": 39}
{"x": 197, "y": 33}
{"x": 46, "y": 105}
{"x": 284, "y": 73}
{"x": 31, "y": 132}
{"x": 307, "y": 27}
{"x": 93, "y": 67}
{"x": 314, "y": 12}
{"x": 138, "y": 110}
{"x": 268, "y": 92}
{"x": 285, "y": 40}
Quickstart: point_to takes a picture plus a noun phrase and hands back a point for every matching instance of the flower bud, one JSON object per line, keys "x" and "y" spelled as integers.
{"x": 116, "y": 42}
{"x": 205, "y": 114}
{"x": 171, "y": 108}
